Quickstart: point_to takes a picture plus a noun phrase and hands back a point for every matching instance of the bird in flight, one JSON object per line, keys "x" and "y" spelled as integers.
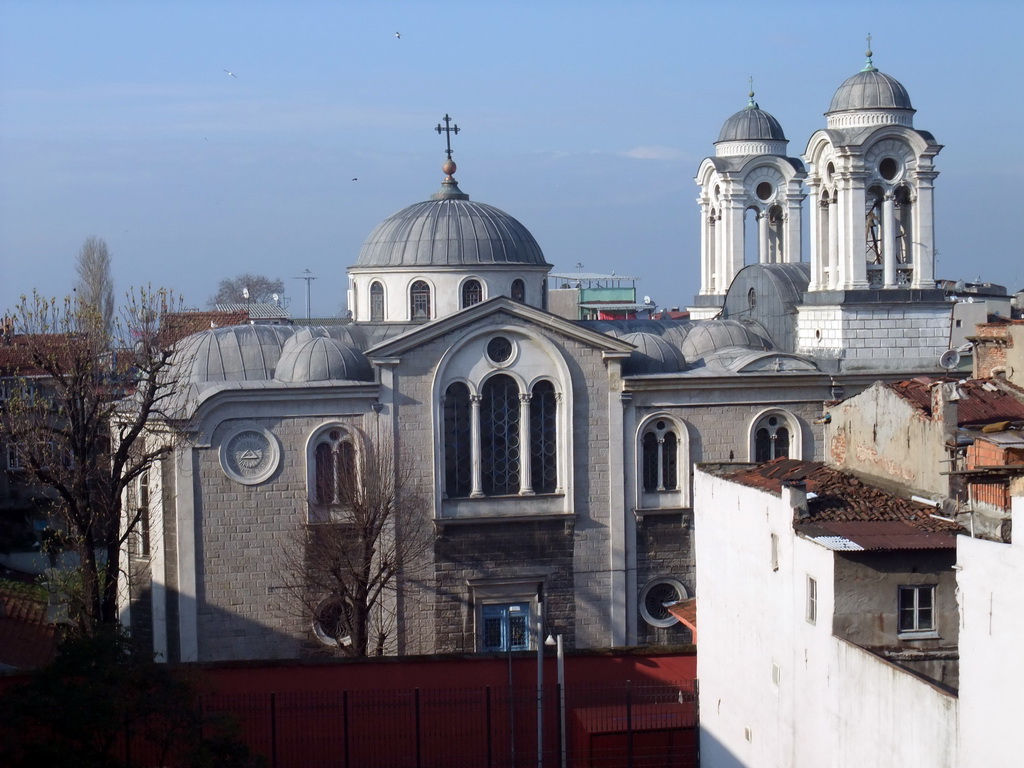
{"x": 355, "y": 179}
{"x": 231, "y": 73}
{"x": 398, "y": 35}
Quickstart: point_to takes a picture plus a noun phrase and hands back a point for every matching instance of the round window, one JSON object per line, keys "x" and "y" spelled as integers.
{"x": 657, "y": 597}
{"x": 889, "y": 169}
{"x": 764, "y": 190}
{"x": 499, "y": 349}
{"x": 330, "y": 623}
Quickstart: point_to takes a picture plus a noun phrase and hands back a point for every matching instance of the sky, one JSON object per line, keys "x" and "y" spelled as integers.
{"x": 585, "y": 120}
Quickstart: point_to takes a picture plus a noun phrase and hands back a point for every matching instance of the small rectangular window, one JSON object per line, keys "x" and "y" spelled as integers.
{"x": 812, "y": 600}
{"x": 917, "y": 608}
{"x": 506, "y": 627}
{"x": 13, "y": 459}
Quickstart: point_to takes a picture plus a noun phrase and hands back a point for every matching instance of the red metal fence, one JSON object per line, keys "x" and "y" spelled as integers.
{"x": 630, "y": 725}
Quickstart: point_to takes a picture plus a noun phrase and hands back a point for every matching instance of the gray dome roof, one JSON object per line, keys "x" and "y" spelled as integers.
{"x": 653, "y": 354}
{"x": 321, "y": 358}
{"x": 870, "y": 89}
{"x": 752, "y": 124}
{"x": 710, "y": 335}
{"x": 233, "y": 353}
{"x": 452, "y": 231}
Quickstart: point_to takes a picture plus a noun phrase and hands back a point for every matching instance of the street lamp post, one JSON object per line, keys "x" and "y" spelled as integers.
{"x": 557, "y": 641}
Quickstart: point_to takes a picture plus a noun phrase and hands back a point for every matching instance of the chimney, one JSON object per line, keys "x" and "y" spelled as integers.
{"x": 795, "y": 492}
{"x": 945, "y": 397}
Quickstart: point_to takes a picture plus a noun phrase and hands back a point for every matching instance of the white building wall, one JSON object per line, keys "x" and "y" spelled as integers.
{"x": 777, "y": 690}
{"x": 991, "y": 593}
{"x": 873, "y": 333}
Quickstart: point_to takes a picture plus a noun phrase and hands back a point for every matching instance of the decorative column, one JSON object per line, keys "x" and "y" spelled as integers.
{"x": 888, "y": 241}
{"x": 763, "y": 256}
{"x": 832, "y": 243}
{"x": 475, "y": 446}
{"x": 923, "y": 230}
{"x": 525, "y": 447}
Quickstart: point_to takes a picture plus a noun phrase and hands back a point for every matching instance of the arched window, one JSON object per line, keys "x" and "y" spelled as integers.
{"x": 458, "y": 458}
{"x": 377, "y": 301}
{"x": 334, "y": 467}
{"x": 499, "y": 436}
{"x": 660, "y": 457}
{"x": 771, "y": 438}
{"x": 419, "y": 301}
{"x": 472, "y": 293}
{"x": 543, "y": 443}
{"x": 518, "y": 290}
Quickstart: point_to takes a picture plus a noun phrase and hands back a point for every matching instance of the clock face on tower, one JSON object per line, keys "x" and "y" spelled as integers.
{"x": 250, "y": 455}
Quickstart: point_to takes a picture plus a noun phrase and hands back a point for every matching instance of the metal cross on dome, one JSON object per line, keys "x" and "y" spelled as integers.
{"x": 448, "y": 130}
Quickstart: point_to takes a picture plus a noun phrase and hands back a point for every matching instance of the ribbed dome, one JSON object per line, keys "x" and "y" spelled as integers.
{"x": 653, "y": 354}
{"x": 710, "y": 335}
{"x": 449, "y": 232}
{"x": 752, "y": 124}
{"x": 870, "y": 89}
{"x": 233, "y": 353}
{"x": 321, "y": 359}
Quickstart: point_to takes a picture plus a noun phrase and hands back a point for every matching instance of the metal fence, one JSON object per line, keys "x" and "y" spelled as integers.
{"x": 632, "y": 726}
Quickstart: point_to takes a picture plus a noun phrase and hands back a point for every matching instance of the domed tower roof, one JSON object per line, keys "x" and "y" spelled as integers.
{"x": 321, "y": 358}
{"x": 449, "y": 231}
{"x": 751, "y": 131}
{"x": 871, "y": 90}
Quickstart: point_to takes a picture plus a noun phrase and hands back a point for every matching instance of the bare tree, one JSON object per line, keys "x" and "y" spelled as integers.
{"x": 261, "y": 289}
{"x": 77, "y": 419}
{"x": 95, "y": 285}
{"x": 345, "y": 568}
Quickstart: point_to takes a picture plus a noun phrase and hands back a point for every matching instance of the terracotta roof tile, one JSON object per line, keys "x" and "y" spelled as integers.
{"x": 981, "y": 401}
{"x": 27, "y": 640}
{"x": 842, "y": 498}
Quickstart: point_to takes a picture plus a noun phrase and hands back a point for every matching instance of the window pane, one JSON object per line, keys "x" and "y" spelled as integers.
{"x": 419, "y": 296}
{"x": 499, "y": 436}
{"x": 458, "y": 466}
{"x": 324, "y": 474}
{"x": 518, "y": 290}
{"x": 650, "y": 462}
{"x": 376, "y": 301}
{"x": 472, "y": 293}
{"x": 544, "y": 466}
{"x": 668, "y": 456}
{"x": 762, "y": 445}
{"x": 781, "y": 448}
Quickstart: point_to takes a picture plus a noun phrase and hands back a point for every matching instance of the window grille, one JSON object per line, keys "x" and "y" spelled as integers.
{"x": 377, "y": 301}
{"x": 499, "y": 428}
{"x": 771, "y": 439}
{"x": 543, "y": 442}
{"x": 419, "y": 299}
{"x": 472, "y": 293}
{"x": 457, "y": 441}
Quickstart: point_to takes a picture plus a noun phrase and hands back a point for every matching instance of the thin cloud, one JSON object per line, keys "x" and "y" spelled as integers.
{"x": 655, "y": 152}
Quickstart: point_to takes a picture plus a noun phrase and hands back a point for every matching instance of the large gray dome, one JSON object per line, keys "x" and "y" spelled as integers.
{"x": 752, "y": 124}
{"x": 870, "y": 89}
{"x": 232, "y": 353}
{"x": 653, "y": 354}
{"x": 449, "y": 232}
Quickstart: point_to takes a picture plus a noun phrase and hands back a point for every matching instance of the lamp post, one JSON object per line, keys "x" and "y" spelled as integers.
{"x": 557, "y": 641}
{"x": 540, "y": 685}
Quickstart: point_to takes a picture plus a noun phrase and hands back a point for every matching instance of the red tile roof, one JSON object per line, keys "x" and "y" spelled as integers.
{"x": 686, "y": 612}
{"x": 846, "y": 506}
{"x": 982, "y": 401}
{"x": 27, "y": 640}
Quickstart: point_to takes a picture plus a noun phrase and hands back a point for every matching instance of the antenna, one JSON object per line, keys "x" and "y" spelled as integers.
{"x": 308, "y": 277}
{"x": 949, "y": 359}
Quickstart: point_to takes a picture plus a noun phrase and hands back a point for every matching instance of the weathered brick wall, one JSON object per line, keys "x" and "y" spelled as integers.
{"x": 990, "y": 349}
{"x": 665, "y": 548}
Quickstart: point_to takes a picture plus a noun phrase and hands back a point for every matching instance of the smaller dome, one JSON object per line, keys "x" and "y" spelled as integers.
{"x": 321, "y": 358}
{"x": 711, "y": 335}
{"x": 752, "y": 124}
{"x": 653, "y": 354}
{"x": 870, "y": 89}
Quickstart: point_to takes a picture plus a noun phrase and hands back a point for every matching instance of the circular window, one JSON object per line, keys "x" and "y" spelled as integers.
{"x": 330, "y": 622}
{"x": 657, "y": 597}
{"x": 499, "y": 349}
{"x": 889, "y": 169}
{"x": 764, "y": 190}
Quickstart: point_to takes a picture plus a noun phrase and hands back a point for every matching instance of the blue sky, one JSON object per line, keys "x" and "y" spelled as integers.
{"x": 584, "y": 120}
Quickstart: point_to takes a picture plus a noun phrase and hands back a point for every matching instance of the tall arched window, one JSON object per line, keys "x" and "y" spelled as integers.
{"x": 660, "y": 457}
{"x": 518, "y": 290}
{"x": 419, "y": 301}
{"x": 335, "y": 467}
{"x": 376, "y": 301}
{"x": 472, "y": 293}
{"x": 500, "y": 436}
{"x": 543, "y": 442}
{"x": 771, "y": 438}
{"x": 458, "y": 457}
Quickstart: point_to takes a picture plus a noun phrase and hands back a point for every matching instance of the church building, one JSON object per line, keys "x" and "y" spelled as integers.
{"x": 554, "y": 456}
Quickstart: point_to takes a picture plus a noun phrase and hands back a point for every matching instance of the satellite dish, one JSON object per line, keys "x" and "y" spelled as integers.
{"x": 647, "y": 300}
{"x": 949, "y": 359}
{"x": 275, "y": 297}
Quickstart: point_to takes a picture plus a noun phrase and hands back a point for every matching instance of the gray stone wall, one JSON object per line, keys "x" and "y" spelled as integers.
{"x": 665, "y": 549}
